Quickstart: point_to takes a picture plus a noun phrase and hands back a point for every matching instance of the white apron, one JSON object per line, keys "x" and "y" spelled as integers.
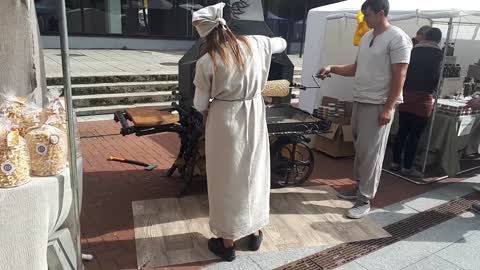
{"x": 236, "y": 140}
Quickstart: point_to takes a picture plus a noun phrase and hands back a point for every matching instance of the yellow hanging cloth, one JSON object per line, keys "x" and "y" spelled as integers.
{"x": 362, "y": 29}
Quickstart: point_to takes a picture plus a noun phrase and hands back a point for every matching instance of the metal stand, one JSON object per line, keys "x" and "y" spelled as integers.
{"x": 468, "y": 170}
{"x": 472, "y": 168}
{"x": 438, "y": 92}
{"x": 304, "y": 28}
{"x": 71, "y": 129}
{"x": 434, "y": 180}
{"x": 416, "y": 181}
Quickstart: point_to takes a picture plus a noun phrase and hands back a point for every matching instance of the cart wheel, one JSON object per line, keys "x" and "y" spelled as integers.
{"x": 292, "y": 163}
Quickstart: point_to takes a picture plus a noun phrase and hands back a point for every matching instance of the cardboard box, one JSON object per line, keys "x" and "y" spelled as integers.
{"x": 348, "y": 105}
{"x": 338, "y": 142}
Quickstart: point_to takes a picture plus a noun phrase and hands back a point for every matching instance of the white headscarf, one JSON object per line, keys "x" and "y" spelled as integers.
{"x": 208, "y": 18}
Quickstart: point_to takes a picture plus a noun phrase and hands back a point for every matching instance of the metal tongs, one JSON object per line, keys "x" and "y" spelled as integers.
{"x": 320, "y": 76}
{"x": 315, "y": 79}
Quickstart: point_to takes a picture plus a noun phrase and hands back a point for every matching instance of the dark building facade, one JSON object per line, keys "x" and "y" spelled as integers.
{"x": 164, "y": 19}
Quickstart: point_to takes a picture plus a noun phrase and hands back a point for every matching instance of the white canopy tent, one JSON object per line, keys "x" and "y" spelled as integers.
{"x": 329, "y": 40}
{"x": 330, "y": 31}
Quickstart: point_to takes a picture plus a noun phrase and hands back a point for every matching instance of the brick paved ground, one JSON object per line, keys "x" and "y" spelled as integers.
{"x": 110, "y": 188}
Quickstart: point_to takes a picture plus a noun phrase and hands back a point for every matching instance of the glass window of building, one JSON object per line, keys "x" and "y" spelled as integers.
{"x": 162, "y": 18}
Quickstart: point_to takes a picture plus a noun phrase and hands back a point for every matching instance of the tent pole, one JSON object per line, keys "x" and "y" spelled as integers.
{"x": 417, "y": 182}
{"x": 304, "y": 28}
{"x": 438, "y": 93}
{"x": 67, "y": 90}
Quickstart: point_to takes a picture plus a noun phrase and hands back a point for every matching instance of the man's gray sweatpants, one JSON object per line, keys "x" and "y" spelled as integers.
{"x": 370, "y": 140}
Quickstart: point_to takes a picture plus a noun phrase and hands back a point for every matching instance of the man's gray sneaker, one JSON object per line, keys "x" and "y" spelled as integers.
{"x": 476, "y": 188}
{"x": 359, "y": 210}
{"x": 350, "y": 194}
{"x": 476, "y": 207}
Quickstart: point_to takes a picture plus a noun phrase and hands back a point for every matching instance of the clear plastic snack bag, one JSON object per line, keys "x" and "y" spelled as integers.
{"x": 14, "y": 156}
{"x": 56, "y": 107}
{"x": 48, "y": 149}
{"x": 12, "y": 106}
{"x": 30, "y": 117}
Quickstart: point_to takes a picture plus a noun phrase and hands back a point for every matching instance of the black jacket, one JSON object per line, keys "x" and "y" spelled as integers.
{"x": 424, "y": 69}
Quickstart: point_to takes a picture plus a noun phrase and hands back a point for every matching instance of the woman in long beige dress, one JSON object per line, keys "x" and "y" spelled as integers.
{"x": 229, "y": 80}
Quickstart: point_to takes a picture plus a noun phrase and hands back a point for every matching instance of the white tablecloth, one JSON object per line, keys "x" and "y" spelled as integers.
{"x": 29, "y": 214}
{"x": 446, "y": 144}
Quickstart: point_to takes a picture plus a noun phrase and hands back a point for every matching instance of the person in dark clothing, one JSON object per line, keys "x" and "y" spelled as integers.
{"x": 421, "y": 83}
{"x": 421, "y": 34}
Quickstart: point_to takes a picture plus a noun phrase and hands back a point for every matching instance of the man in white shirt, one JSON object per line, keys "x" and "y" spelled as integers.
{"x": 380, "y": 70}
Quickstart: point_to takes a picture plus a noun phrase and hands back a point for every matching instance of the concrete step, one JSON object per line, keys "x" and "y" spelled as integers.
{"x": 104, "y": 98}
{"x": 121, "y": 99}
{"x": 123, "y": 87}
{"x": 94, "y": 118}
{"x": 297, "y": 78}
{"x": 297, "y": 71}
{"x": 107, "y": 110}
{"x": 119, "y": 78}
{"x": 129, "y": 87}
{"x": 114, "y": 78}
{"x": 128, "y": 97}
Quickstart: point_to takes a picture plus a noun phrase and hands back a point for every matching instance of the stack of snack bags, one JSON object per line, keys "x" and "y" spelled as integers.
{"x": 33, "y": 141}
{"x": 47, "y": 146}
{"x": 23, "y": 113}
{"x": 29, "y": 118}
{"x": 12, "y": 106}
{"x": 14, "y": 157}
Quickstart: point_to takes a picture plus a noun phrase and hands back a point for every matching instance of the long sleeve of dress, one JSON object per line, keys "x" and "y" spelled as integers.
{"x": 278, "y": 44}
{"x": 201, "y": 100}
{"x": 203, "y": 84}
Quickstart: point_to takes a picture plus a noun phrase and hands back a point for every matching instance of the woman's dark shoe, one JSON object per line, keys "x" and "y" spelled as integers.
{"x": 216, "y": 246}
{"x": 255, "y": 241}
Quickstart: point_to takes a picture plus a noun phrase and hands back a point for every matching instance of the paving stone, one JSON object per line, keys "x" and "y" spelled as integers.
{"x": 433, "y": 263}
{"x": 391, "y": 214}
{"x": 273, "y": 260}
{"x": 428, "y": 200}
{"x": 413, "y": 249}
{"x": 240, "y": 263}
{"x": 351, "y": 266}
{"x": 464, "y": 253}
